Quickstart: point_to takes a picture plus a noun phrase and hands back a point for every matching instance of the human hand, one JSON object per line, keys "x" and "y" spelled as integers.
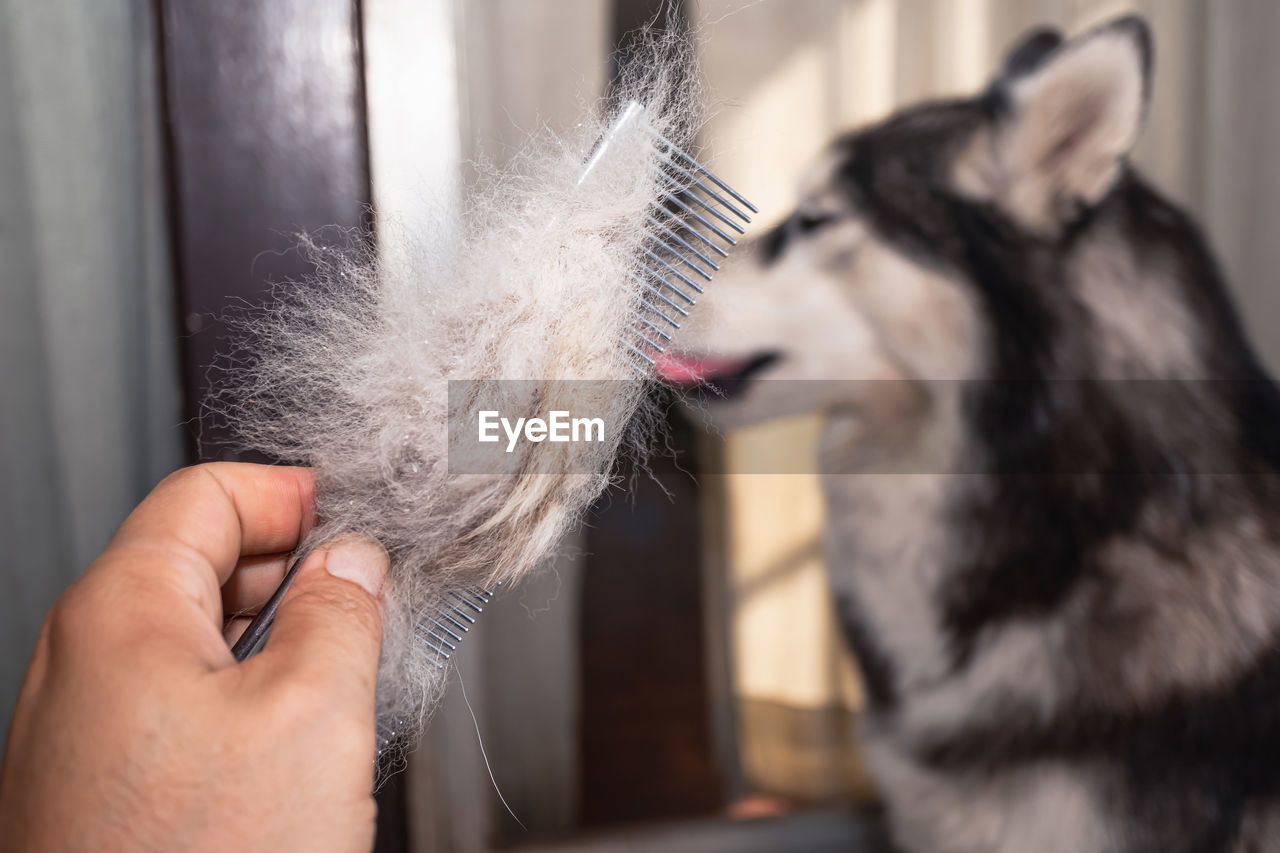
{"x": 136, "y": 729}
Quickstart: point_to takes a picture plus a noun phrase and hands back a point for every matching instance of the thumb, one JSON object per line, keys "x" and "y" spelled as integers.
{"x": 328, "y": 630}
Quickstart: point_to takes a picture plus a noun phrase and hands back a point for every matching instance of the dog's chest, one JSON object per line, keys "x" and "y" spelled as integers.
{"x": 889, "y": 533}
{"x": 887, "y": 542}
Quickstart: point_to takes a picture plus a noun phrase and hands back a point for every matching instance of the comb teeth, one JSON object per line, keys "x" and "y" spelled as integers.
{"x": 440, "y": 635}
{"x": 442, "y": 632}
{"x": 690, "y": 229}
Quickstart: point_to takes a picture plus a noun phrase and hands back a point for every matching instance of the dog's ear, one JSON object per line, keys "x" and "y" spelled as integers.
{"x": 1065, "y": 118}
{"x": 1028, "y": 55}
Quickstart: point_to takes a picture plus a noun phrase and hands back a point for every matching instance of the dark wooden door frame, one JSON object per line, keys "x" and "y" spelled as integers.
{"x": 266, "y": 137}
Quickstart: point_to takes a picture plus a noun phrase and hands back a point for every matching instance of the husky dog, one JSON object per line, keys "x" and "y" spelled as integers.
{"x": 1054, "y": 509}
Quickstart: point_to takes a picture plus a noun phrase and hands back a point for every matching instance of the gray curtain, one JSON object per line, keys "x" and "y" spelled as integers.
{"x": 90, "y": 413}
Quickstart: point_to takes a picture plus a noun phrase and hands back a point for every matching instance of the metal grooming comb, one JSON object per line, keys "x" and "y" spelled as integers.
{"x": 682, "y": 242}
{"x": 677, "y": 236}
{"x": 440, "y": 635}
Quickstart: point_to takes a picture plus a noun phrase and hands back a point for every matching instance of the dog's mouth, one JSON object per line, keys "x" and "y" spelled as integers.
{"x": 724, "y": 376}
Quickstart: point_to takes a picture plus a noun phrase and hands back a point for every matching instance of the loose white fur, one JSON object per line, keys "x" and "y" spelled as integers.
{"x": 348, "y": 371}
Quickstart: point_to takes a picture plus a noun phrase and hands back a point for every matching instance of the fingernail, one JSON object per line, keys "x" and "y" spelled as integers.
{"x": 361, "y": 561}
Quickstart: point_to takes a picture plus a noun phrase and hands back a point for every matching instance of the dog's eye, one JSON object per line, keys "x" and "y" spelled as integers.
{"x": 809, "y": 221}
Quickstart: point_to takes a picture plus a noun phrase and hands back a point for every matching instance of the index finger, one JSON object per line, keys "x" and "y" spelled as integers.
{"x": 187, "y": 535}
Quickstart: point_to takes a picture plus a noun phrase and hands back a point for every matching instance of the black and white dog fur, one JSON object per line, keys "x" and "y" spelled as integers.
{"x": 1054, "y": 518}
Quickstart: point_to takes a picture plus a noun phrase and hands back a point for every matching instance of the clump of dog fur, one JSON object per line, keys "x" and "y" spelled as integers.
{"x": 348, "y": 371}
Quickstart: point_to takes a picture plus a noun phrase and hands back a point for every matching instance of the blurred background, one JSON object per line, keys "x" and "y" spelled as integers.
{"x": 673, "y": 680}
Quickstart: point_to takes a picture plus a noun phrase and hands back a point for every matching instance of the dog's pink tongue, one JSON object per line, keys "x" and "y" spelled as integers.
{"x": 687, "y": 371}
